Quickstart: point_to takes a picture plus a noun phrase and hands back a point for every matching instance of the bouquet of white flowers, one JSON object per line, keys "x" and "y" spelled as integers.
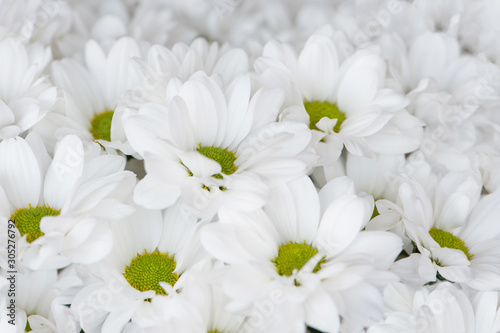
{"x": 234, "y": 166}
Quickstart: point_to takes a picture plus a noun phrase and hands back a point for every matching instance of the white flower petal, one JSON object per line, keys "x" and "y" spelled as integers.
{"x": 204, "y": 99}
{"x": 417, "y": 206}
{"x": 87, "y": 242}
{"x": 334, "y": 189}
{"x": 381, "y": 247}
{"x": 64, "y": 172}
{"x": 152, "y": 194}
{"x": 482, "y": 223}
{"x": 321, "y": 312}
{"x": 486, "y": 305}
{"x": 19, "y": 173}
{"x": 356, "y": 90}
{"x": 340, "y": 224}
{"x": 317, "y": 68}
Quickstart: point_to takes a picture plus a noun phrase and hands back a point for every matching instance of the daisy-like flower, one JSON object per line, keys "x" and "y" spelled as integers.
{"x": 442, "y": 15}
{"x": 164, "y": 70}
{"x": 444, "y": 307}
{"x": 26, "y": 96}
{"x": 304, "y": 260}
{"x": 216, "y": 149}
{"x": 451, "y": 93}
{"x": 455, "y": 234}
{"x": 432, "y": 62}
{"x": 199, "y": 307}
{"x": 149, "y": 257}
{"x": 478, "y": 31}
{"x": 90, "y": 100}
{"x": 60, "y": 206}
{"x": 344, "y": 103}
{"x": 180, "y": 63}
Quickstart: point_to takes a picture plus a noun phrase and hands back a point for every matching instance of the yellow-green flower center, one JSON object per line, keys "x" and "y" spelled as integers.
{"x": 375, "y": 212}
{"x": 27, "y": 220}
{"x": 318, "y": 110}
{"x": 447, "y": 239}
{"x": 147, "y": 270}
{"x": 101, "y": 126}
{"x": 224, "y": 157}
{"x": 292, "y": 256}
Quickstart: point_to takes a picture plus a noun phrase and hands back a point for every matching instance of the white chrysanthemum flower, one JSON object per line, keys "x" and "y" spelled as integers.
{"x": 199, "y": 307}
{"x": 441, "y": 15}
{"x": 479, "y": 28}
{"x": 344, "y": 103}
{"x": 430, "y": 63}
{"x": 455, "y": 234}
{"x": 91, "y": 93}
{"x": 60, "y": 205}
{"x": 444, "y": 307}
{"x": 148, "y": 259}
{"x": 216, "y": 149}
{"x": 164, "y": 71}
{"x": 305, "y": 259}
{"x": 25, "y": 94}
{"x": 452, "y": 94}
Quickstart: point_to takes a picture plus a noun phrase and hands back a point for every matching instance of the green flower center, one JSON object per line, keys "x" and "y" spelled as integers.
{"x": 101, "y": 126}
{"x": 318, "y": 110}
{"x": 294, "y": 256}
{"x": 224, "y": 157}
{"x": 375, "y": 212}
{"x": 147, "y": 270}
{"x": 27, "y": 220}
{"x": 447, "y": 239}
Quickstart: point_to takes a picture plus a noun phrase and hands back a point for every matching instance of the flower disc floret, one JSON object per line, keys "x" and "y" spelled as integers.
{"x": 224, "y": 157}
{"x": 318, "y": 110}
{"x": 292, "y": 256}
{"x": 101, "y": 126}
{"x": 27, "y": 220}
{"x": 147, "y": 270}
{"x": 447, "y": 239}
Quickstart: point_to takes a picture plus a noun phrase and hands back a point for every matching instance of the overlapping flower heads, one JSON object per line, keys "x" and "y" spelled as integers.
{"x": 249, "y": 166}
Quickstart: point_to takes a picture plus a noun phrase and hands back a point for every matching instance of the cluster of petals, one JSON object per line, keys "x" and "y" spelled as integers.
{"x": 235, "y": 166}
